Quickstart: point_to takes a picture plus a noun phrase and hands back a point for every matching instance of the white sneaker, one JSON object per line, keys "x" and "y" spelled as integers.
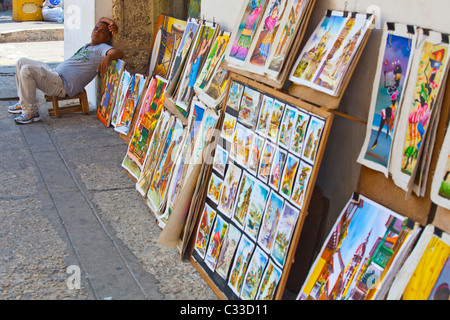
{"x": 24, "y": 119}
{"x": 17, "y": 108}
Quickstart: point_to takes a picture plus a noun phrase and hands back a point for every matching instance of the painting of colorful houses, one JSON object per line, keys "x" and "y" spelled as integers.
{"x": 359, "y": 251}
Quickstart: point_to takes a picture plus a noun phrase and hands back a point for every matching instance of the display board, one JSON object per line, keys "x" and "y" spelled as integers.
{"x": 258, "y": 190}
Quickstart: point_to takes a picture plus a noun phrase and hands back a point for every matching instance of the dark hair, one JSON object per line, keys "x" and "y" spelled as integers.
{"x": 107, "y": 24}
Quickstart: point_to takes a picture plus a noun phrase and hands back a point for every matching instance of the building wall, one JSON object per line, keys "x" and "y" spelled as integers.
{"x": 136, "y": 20}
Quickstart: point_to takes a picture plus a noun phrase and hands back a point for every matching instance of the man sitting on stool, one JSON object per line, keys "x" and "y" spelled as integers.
{"x": 69, "y": 78}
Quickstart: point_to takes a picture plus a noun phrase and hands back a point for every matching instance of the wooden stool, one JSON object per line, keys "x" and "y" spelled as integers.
{"x": 57, "y": 111}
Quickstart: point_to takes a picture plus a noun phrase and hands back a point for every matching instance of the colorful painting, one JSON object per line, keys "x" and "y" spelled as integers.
{"x": 204, "y": 230}
{"x": 153, "y": 152}
{"x": 149, "y": 114}
{"x": 241, "y": 144}
{"x": 266, "y": 33}
{"x": 277, "y": 167}
{"x": 392, "y": 74}
{"x": 254, "y": 274}
{"x": 122, "y": 90}
{"x": 271, "y": 218}
{"x": 257, "y": 205}
{"x": 312, "y": 141}
{"x": 288, "y": 177}
{"x": 334, "y": 69}
{"x": 275, "y": 120}
{"x": 268, "y": 152}
{"x": 255, "y": 154}
{"x": 229, "y": 190}
{"x": 130, "y": 103}
{"x": 161, "y": 178}
{"x": 361, "y": 247}
{"x": 214, "y": 188}
{"x": 176, "y": 182}
{"x": 235, "y": 95}
{"x": 269, "y": 282}
{"x": 229, "y": 246}
{"x": 240, "y": 264}
{"x": 246, "y": 187}
{"x": 212, "y": 62}
{"x": 283, "y": 234}
{"x": 205, "y": 133}
{"x": 214, "y": 93}
{"x": 220, "y": 160}
{"x": 229, "y": 127}
{"x": 299, "y": 132}
{"x": 244, "y": 34}
{"x": 428, "y": 82}
{"x": 194, "y": 64}
{"x": 440, "y": 290}
{"x": 265, "y": 115}
{"x": 168, "y": 34}
{"x": 189, "y": 34}
{"x": 215, "y": 242}
{"x": 301, "y": 184}
{"x": 287, "y": 127}
{"x": 195, "y": 8}
{"x": 318, "y": 46}
{"x": 425, "y": 275}
{"x": 249, "y": 107}
{"x": 325, "y": 60}
{"x": 109, "y": 91}
{"x": 440, "y": 188}
{"x": 286, "y": 38}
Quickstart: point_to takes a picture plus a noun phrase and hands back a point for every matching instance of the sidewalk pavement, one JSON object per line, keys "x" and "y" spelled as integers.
{"x": 28, "y": 31}
{"x": 66, "y": 201}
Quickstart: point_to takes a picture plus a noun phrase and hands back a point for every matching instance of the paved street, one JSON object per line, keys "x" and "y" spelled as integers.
{"x": 66, "y": 201}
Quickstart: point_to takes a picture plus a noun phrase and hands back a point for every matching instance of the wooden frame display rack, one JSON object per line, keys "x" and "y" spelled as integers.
{"x": 217, "y": 283}
{"x": 290, "y": 56}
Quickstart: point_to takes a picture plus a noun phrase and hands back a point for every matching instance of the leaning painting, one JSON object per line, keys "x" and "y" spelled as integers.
{"x": 109, "y": 91}
{"x": 363, "y": 248}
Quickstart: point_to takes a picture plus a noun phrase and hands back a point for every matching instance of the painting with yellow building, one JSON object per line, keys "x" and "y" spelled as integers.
{"x": 359, "y": 252}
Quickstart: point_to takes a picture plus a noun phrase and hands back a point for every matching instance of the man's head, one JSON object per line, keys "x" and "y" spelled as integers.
{"x": 101, "y": 33}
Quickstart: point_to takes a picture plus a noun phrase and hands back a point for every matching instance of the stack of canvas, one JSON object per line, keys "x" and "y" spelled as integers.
{"x": 197, "y": 43}
{"x": 325, "y": 62}
{"x": 167, "y": 39}
{"x": 425, "y": 275}
{"x": 363, "y": 252}
{"x": 440, "y": 189}
{"x": 147, "y": 118}
{"x": 406, "y": 105}
{"x": 265, "y": 34}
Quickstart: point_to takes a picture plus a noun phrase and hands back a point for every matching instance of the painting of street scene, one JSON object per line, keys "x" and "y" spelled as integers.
{"x": 358, "y": 252}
